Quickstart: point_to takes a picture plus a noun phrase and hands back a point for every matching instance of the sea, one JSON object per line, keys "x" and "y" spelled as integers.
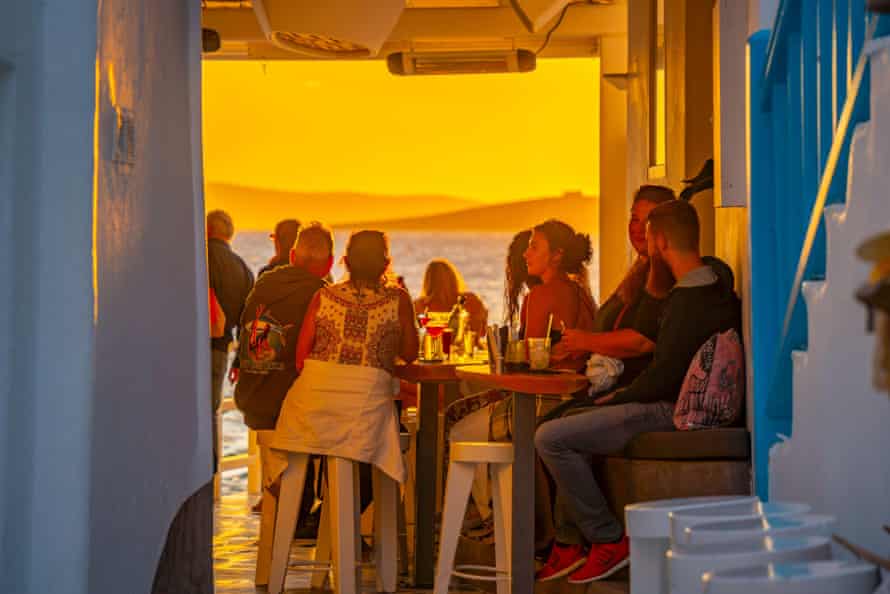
{"x": 479, "y": 257}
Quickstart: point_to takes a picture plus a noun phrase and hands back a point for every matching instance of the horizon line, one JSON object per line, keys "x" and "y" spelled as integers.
{"x": 480, "y": 201}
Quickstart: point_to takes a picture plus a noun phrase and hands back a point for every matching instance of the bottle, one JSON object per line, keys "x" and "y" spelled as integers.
{"x": 457, "y": 320}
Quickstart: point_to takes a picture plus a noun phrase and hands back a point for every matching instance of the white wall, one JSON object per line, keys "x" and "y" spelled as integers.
{"x": 105, "y": 423}
{"x": 151, "y": 445}
{"x": 836, "y": 459}
{"x": 761, "y": 14}
{"x": 45, "y": 391}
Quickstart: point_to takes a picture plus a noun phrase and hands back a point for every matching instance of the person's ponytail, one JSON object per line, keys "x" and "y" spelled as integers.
{"x": 580, "y": 253}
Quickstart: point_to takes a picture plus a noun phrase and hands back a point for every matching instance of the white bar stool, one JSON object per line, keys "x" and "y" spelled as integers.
{"x": 339, "y": 528}
{"x": 465, "y": 456}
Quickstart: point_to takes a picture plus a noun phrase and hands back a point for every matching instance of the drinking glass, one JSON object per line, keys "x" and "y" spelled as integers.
{"x": 469, "y": 343}
{"x": 447, "y": 336}
{"x": 539, "y": 353}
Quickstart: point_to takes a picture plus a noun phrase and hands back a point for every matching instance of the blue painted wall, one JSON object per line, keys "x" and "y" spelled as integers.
{"x": 798, "y": 79}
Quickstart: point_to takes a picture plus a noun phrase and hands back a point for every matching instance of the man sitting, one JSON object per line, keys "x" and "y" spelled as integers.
{"x": 701, "y": 304}
{"x": 270, "y": 326}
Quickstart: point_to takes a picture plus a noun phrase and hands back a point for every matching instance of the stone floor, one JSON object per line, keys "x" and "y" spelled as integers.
{"x": 235, "y": 542}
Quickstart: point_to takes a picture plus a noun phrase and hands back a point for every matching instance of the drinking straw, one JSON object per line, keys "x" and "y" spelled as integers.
{"x": 549, "y": 325}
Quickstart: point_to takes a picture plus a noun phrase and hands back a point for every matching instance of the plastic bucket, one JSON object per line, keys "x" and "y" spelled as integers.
{"x": 755, "y": 528}
{"x": 687, "y": 567}
{"x": 649, "y": 530}
{"x": 821, "y": 577}
{"x": 686, "y": 518}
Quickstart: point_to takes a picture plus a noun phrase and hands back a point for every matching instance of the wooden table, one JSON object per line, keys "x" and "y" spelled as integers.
{"x": 525, "y": 386}
{"x": 428, "y": 457}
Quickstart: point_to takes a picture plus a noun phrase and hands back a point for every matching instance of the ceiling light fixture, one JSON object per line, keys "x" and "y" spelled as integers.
{"x": 345, "y": 29}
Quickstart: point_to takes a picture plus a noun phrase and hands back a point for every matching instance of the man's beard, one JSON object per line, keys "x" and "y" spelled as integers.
{"x": 662, "y": 277}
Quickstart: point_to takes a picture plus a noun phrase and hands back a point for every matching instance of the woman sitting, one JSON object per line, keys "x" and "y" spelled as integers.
{"x": 341, "y": 405}
{"x": 442, "y": 287}
{"x": 626, "y": 325}
{"x": 558, "y": 256}
{"x": 553, "y": 252}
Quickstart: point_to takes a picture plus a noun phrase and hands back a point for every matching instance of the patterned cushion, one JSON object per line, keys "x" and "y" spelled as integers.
{"x": 714, "y": 389}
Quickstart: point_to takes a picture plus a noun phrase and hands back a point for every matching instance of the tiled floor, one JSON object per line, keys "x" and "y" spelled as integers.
{"x": 234, "y": 552}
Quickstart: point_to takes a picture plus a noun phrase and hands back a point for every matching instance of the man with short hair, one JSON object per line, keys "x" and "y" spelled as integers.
{"x": 284, "y": 236}
{"x": 269, "y": 329}
{"x": 270, "y": 326}
{"x": 231, "y": 281}
{"x": 701, "y": 304}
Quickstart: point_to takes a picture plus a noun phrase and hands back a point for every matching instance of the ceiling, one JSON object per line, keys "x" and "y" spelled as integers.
{"x": 434, "y": 26}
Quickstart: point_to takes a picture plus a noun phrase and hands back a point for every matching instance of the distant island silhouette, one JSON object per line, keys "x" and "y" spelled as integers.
{"x": 260, "y": 209}
{"x": 574, "y": 208}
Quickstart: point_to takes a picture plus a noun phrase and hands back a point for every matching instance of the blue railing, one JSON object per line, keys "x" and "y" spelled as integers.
{"x": 800, "y": 121}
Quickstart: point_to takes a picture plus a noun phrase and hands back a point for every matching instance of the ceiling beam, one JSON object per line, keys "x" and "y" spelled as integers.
{"x": 452, "y": 24}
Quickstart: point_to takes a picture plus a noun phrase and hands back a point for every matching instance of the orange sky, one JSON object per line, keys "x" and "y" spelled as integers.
{"x": 332, "y": 126}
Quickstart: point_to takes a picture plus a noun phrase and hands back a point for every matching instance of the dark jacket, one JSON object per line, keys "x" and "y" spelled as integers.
{"x": 267, "y": 344}
{"x": 231, "y": 280}
{"x": 273, "y": 265}
{"x": 691, "y": 316}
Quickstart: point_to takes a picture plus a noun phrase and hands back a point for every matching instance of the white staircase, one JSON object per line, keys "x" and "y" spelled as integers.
{"x": 838, "y": 458}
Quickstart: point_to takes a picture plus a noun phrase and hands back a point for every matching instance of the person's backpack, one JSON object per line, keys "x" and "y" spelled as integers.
{"x": 713, "y": 391}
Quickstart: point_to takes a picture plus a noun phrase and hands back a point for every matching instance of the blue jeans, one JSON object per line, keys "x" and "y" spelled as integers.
{"x": 566, "y": 446}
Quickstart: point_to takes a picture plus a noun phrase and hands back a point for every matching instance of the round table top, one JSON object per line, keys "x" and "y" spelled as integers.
{"x": 432, "y": 371}
{"x": 547, "y": 382}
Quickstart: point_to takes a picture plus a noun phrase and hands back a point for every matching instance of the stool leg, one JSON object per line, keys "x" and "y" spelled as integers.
{"x": 457, "y": 493}
{"x": 503, "y": 542}
{"x": 386, "y": 538}
{"x": 323, "y": 544}
{"x": 402, "y": 527}
{"x": 344, "y": 524}
{"x": 289, "y": 498}
{"x": 267, "y": 536}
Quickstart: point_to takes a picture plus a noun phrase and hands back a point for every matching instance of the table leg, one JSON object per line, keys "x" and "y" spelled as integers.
{"x": 523, "y": 533}
{"x": 425, "y": 484}
{"x": 452, "y": 393}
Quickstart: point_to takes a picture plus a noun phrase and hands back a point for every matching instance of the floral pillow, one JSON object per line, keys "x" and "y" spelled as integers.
{"x": 713, "y": 392}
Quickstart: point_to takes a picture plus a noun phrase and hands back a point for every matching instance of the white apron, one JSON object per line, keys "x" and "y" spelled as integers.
{"x": 340, "y": 410}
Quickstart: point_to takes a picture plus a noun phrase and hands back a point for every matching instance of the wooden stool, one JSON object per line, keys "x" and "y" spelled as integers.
{"x": 465, "y": 456}
{"x": 338, "y": 532}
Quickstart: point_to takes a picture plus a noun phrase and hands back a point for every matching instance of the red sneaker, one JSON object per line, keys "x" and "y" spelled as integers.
{"x": 604, "y": 560}
{"x": 564, "y": 559}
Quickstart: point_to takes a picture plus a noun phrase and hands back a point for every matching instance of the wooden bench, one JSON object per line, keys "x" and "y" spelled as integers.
{"x": 665, "y": 465}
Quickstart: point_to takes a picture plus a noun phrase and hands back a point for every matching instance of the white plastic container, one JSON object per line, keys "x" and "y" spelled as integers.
{"x": 753, "y": 528}
{"x": 686, "y": 568}
{"x": 821, "y": 577}
{"x": 685, "y": 518}
{"x": 649, "y": 530}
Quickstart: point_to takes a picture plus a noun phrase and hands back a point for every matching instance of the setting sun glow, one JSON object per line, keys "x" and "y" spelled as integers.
{"x": 351, "y": 126}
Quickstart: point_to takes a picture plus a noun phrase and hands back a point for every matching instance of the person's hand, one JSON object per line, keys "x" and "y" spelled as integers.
{"x": 573, "y": 341}
{"x": 560, "y": 353}
{"x": 233, "y": 375}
